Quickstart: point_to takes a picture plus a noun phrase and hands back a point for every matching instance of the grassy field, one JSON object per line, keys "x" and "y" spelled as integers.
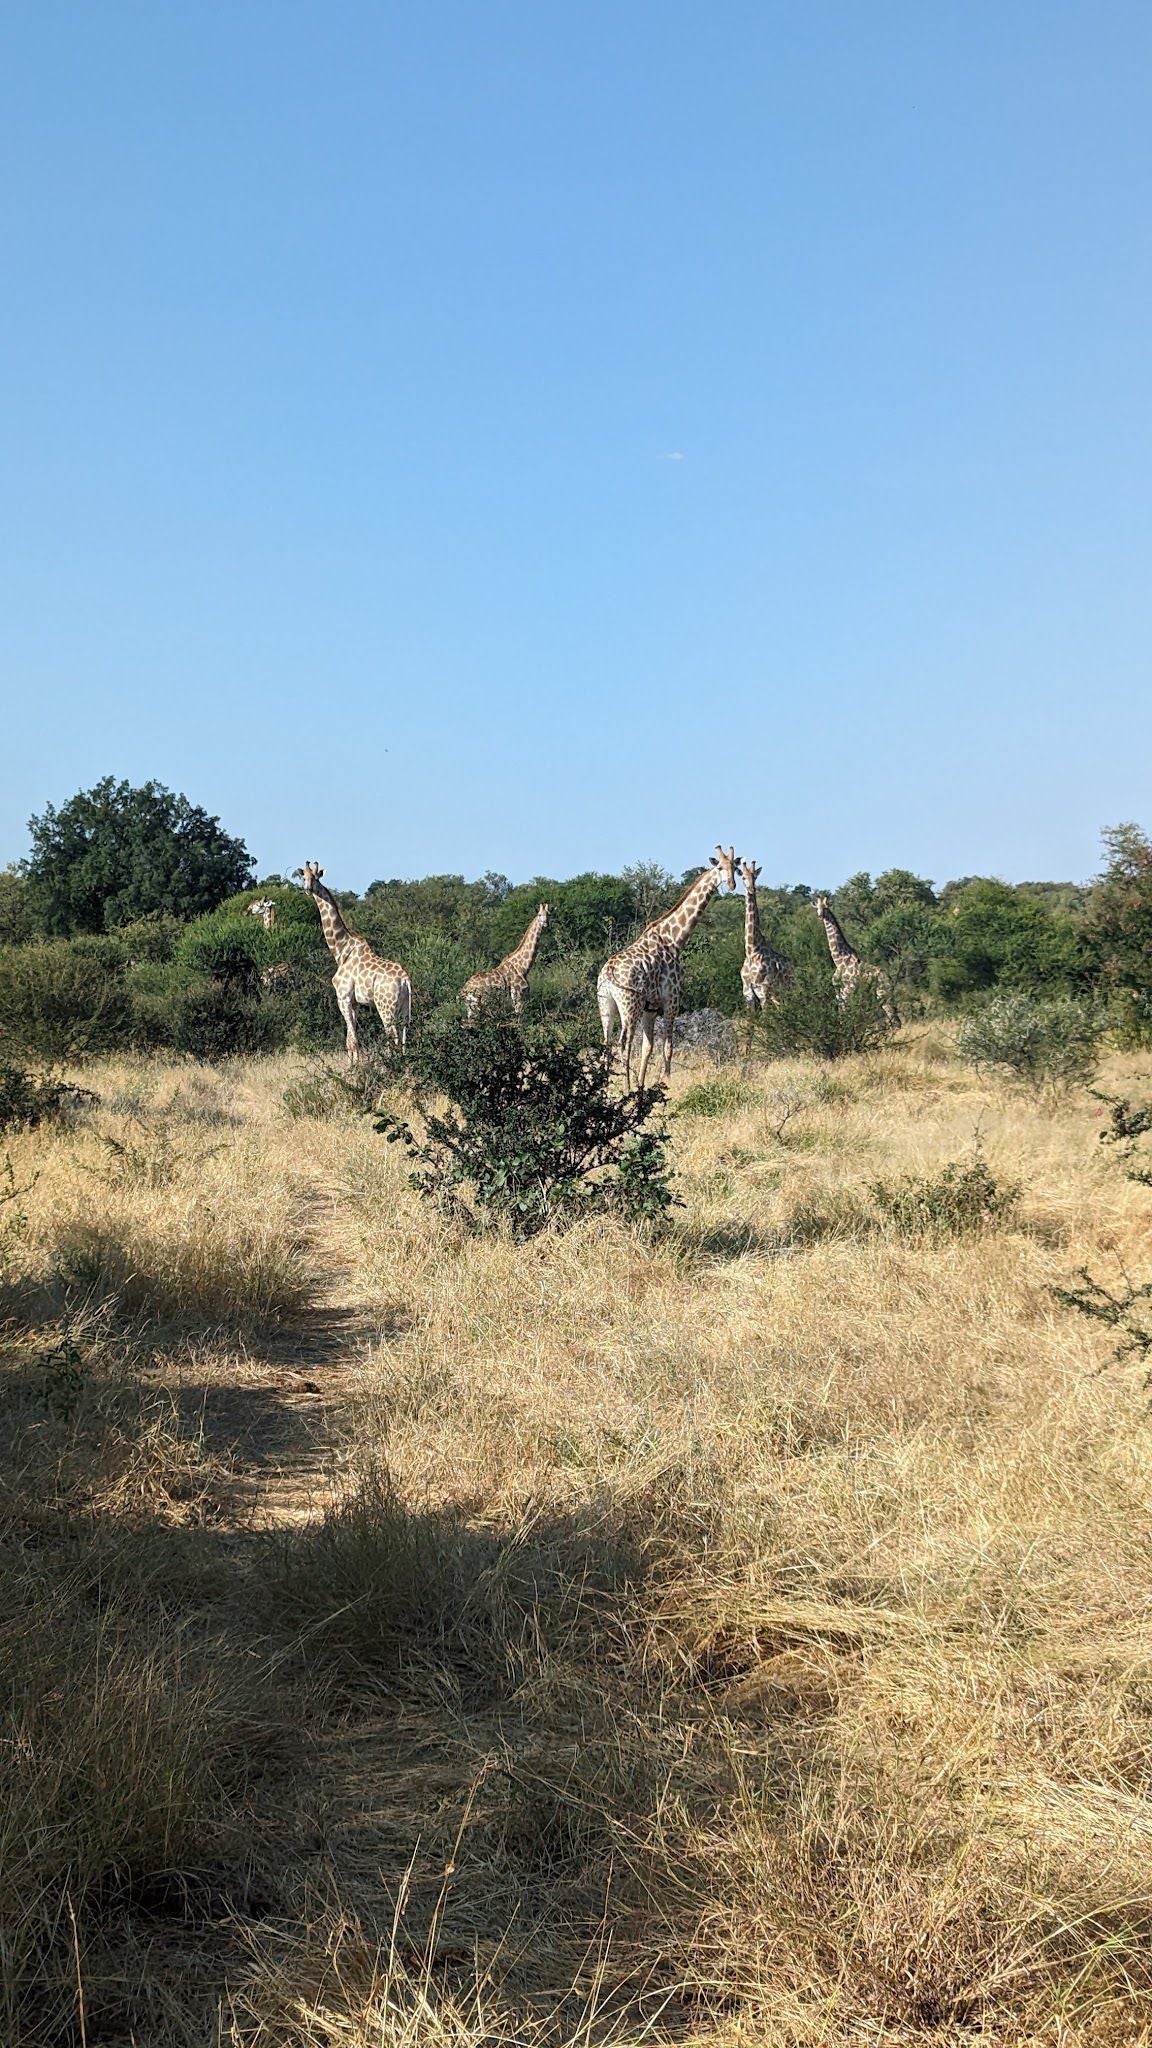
{"x": 743, "y": 1635}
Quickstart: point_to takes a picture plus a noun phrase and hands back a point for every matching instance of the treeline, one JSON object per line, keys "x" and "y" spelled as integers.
{"x": 129, "y": 925}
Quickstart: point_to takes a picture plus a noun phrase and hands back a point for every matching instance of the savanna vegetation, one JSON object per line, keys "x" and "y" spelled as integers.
{"x": 489, "y": 1559}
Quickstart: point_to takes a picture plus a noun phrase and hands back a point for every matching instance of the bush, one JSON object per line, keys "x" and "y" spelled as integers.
{"x": 960, "y": 1198}
{"x": 215, "y": 1021}
{"x": 1035, "y": 1040}
{"x": 532, "y": 1131}
{"x": 26, "y": 1102}
{"x": 809, "y": 1018}
{"x": 62, "y": 999}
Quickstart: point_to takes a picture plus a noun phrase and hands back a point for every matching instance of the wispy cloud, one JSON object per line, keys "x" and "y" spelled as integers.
{"x": 672, "y": 455}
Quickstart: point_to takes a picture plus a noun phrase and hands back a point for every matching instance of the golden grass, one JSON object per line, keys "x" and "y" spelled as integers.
{"x": 744, "y": 1634}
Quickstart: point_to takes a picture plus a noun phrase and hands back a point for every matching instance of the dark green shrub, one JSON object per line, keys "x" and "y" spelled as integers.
{"x": 212, "y": 1021}
{"x": 227, "y": 949}
{"x": 962, "y": 1197}
{"x": 63, "y": 999}
{"x": 809, "y": 1018}
{"x": 26, "y": 1102}
{"x": 532, "y": 1132}
{"x": 1036, "y": 1040}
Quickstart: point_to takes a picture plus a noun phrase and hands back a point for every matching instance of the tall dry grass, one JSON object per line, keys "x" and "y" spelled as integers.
{"x": 742, "y": 1633}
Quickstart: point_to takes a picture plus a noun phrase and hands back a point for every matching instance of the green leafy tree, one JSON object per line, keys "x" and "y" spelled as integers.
{"x": 1119, "y": 926}
{"x": 996, "y": 934}
{"x": 15, "y": 922}
{"x": 114, "y": 854}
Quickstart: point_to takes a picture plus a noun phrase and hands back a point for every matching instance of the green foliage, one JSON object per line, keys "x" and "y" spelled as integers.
{"x": 713, "y": 956}
{"x": 1038, "y": 1041}
{"x": 215, "y": 1020}
{"x": 532, "y": 1132}
{"x": 861, "y": 901}
{"x": 595, "y": 913}
{"x": 1128, "y": 1312}
{"x": 1120, "y": 930}
{"x": 808, "y": 1017}
{"x": 962, "y": 1197}
{"x": 228, "y": 949}
{"x": 719, "y": 1095}
{"x": 15, "y": 919}
{"x": 996, "y": 935}
{"x": 26, "y": 1102}
{"x": 62, "y": 1000}
{"x": 113, "y": 854}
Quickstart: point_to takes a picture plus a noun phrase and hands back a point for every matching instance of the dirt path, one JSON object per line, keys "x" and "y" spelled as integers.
{"x": 272, "y": 1410}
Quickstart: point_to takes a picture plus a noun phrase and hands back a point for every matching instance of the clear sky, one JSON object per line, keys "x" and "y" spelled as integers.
{"x": 541, "y": 434}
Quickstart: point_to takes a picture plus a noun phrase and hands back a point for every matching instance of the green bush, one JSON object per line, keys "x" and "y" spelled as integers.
{"x": 1031, "y": 1039}
{"x": 213, "y": 1021}
{"x": 962, "y": 1197}
{"x": 63, "y": 999}
{"x": 532, "y": 1133}
{"x": 808, "y": 1017}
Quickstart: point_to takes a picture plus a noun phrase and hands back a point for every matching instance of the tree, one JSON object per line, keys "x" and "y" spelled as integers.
{"x": 994, "y": 933}
{"x": 1120, "y": 920}
{"x": 15, "y": 924}
{"x": 113, "y": 854}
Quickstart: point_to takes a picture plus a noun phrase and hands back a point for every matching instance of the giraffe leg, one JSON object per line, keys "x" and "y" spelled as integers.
{"x": 647, "y": 1034}
{"x": 347, "y": 1004}
{"x": 405, "y": 1009}
{"x": 609, "y": 1014}
{"x": 669, "y": 1040}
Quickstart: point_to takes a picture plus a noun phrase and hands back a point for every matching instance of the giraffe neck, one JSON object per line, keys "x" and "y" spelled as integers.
{"x": 751, "y": 917}
{"x": 838, "y": 945}
{"x": 525, "y": 952}
{"x": 684, "y": 915}
{"x": 336, "y": 931}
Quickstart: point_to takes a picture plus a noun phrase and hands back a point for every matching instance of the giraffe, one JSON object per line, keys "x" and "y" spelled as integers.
{"x": 848, "y": 969}
{"x": 645, "y": 980}
{"x": 264, "y": 910}
{"x": 361, "y": 976}
{"x": 510, "y": 977}
{"x": 765, "y": 972}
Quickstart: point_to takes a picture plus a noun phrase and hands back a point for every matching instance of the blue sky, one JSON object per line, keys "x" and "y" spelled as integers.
{"x": 504, "y": 434}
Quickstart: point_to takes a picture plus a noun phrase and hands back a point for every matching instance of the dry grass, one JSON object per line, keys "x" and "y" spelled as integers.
{"x": 741, "y": 1635}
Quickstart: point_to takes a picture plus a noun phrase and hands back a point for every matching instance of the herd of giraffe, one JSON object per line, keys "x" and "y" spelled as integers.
{"x": 634, "y": 987}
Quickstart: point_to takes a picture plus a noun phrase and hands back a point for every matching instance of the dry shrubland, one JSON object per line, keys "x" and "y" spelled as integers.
{"x": 738, "y": 1633}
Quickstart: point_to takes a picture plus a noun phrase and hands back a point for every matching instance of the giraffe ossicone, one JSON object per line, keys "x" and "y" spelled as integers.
{"x": 361, "y": 975}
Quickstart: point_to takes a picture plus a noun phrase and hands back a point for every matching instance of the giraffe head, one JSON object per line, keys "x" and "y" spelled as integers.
{"x": 819, "y": 905}
{"x": 749, "y": 872}
{"x": 312, "y": 875}
{"x": 542, "y": 914}
{"x": 726, "y": 862}
{"x": 264, "y": 910}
